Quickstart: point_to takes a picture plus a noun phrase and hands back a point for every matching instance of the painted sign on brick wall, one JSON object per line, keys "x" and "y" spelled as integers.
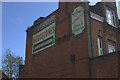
{"x": 44, "y": 35}
{"x": 78, "y": 20}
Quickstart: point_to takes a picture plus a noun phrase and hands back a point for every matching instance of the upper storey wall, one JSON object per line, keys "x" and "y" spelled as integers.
{"x": 54, "y": 60}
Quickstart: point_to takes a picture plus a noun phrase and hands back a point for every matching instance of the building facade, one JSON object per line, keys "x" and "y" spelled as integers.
{"x": 75, "y": 41}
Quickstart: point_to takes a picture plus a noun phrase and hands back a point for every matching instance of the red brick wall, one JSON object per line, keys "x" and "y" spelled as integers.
{"x": 104, "y": 30}
{"x": 55, "y": 61}
{"x": 28, "y": 56}
{"x": 107, "y": 65}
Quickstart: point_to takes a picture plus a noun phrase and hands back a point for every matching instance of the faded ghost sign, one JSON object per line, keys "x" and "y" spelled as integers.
{"x": 44, "y": 35}
{"x": 78, "y": 20}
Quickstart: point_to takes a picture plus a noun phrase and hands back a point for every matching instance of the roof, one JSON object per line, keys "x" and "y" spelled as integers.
{"x": 42, "y": 19}
{"x": 98, "y": 9}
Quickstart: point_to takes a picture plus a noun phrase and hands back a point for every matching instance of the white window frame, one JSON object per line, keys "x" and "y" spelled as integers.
{"x": 111, "y": 46}
{"x": 100, "y": 47}
{"x": 111, "y": 19}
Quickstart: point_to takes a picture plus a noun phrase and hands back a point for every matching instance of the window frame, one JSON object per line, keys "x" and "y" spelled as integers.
{"x": 100, "y": 45}
{"x": 111, "y": 18}
{"x": 111, "y": 47}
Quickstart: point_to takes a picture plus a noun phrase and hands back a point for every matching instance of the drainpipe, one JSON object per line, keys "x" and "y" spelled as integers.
{"x": 89, "y": 31}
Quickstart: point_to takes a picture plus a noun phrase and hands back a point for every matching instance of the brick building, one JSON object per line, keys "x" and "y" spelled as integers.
{"x": 75, "y": 41}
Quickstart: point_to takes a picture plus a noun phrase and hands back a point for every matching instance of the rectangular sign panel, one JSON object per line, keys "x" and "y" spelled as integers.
{"x": 78, "y": 20}
{"x": 44, "y": 35}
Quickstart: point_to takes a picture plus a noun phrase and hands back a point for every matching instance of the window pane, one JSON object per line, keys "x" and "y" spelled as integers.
{"x": 100, "y": 50}
{"x": 114, "y": 20}
{"x": 109, "y": 21}
{"x": 111, "y": 46}
{"x": 111, "y": 17}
